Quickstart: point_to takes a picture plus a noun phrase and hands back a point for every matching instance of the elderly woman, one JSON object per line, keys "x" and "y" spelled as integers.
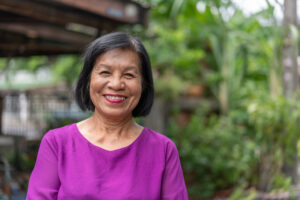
{"x": 108, "y": 156}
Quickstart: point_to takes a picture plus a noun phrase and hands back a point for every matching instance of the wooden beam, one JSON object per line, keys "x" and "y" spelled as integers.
{"x": 51, "y": 27}
{"x": 35, "y": 53}
{"x": 12, "y": 44}
{"x": 104, "y": 26}
{"x": 39, "y": 30}
{"x": 123, "y": 11}
{"x": 28, "y": 49}
{"x": 41, "y": 47}
{"x": 11, "y": 17}
{"x": 48, "y": 13}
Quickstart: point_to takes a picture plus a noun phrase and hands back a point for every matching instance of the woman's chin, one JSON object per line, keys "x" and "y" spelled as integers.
{"x": 116, "y": 115}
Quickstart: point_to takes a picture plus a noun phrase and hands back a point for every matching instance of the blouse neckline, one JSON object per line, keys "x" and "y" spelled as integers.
{"x": 105, "y": 150}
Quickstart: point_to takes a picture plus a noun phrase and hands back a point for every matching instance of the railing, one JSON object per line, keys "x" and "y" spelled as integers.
{"x": 29, "y": 115}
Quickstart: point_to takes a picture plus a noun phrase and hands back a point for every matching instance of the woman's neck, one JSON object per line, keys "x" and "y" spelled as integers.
{"x": 107, "y": 127}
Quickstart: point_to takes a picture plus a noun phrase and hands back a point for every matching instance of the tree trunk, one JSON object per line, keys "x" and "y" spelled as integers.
{"x": 290, "y": 75}
{"x": 268, "y": 167}
{"x": 1, "y": 112}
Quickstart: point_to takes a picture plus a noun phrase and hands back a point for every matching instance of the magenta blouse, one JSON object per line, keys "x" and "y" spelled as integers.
{"x": 69, "y": 167}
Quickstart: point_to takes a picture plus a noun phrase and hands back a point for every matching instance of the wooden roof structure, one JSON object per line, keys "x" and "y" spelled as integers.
{"x": 52, "y": 27}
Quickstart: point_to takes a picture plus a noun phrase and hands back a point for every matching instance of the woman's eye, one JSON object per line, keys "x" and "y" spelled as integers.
{"x": 104, "y": 72}
{"x": 128, "y": 75}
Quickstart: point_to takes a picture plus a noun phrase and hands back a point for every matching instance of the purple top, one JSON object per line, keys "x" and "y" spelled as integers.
{"x": 69, "y": 167}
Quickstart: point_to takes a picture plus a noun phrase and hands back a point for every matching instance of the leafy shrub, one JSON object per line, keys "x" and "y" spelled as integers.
{"x": 246, "y": 146}
{"x": 215, "y": 152}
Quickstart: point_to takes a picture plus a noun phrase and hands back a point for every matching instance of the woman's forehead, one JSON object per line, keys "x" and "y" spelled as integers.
{"x": 117, "y": 52}
{"x": 118, "y": 57}
{"x": 123, "y": 68}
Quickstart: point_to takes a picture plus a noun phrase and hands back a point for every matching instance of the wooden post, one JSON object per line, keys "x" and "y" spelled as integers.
{"x": 156, "y": 119}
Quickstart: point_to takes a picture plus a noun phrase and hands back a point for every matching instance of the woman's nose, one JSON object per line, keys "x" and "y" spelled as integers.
{"x": 116, "y": 83}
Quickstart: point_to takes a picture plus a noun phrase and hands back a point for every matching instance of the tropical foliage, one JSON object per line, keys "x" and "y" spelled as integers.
{"x": 237, "y": 58}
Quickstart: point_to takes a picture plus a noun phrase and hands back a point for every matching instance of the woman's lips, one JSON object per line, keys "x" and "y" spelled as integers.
{"x": 114, "y": 98}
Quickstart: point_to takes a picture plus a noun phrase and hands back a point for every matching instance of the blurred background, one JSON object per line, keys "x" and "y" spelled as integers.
{"x": 226, "y": 79}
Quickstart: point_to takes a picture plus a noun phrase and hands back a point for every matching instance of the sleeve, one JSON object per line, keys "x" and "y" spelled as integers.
{"x": 44, "y": 181}
{"x": 173, "y": 185}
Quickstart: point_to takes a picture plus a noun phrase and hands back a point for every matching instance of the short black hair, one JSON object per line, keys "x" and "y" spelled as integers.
{"x": 106, "y": 43}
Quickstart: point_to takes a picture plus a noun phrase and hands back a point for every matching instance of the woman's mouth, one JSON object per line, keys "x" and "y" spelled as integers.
{"x": 114, "y": 98}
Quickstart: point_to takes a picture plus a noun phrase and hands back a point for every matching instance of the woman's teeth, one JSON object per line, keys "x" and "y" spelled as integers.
{"x": 115, "y": 98}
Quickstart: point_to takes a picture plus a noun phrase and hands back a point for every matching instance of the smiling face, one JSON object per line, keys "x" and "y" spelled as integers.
{"x": 116, "y": 83}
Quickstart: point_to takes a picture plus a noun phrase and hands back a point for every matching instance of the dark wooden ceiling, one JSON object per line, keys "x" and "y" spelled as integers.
{"x": 52, "y": 27}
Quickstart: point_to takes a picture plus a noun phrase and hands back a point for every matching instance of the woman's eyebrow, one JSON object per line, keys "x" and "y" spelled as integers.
{"x": 128, "y": 68}
{"x": 135, "y": 69}
{"x": 99, "y": 66}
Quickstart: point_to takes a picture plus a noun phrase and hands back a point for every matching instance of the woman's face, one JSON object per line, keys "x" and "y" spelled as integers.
{"x": 116, "y": 83}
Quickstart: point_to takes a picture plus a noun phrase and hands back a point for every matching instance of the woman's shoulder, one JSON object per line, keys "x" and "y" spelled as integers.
{"x": 156, "y": 138}
{"x": 60, "y": 134}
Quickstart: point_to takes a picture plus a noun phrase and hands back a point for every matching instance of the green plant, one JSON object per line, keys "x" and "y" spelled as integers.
{"x": 282, "y": 182}
{"x": 275, "y": 129}
{"x": 246, "y": 146}
{"x": 241, "y": 194}
{"x": 215, "y": 152}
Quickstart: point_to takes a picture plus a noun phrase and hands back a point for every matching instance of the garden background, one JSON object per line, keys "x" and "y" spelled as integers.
{"x": 226, "y": 91}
